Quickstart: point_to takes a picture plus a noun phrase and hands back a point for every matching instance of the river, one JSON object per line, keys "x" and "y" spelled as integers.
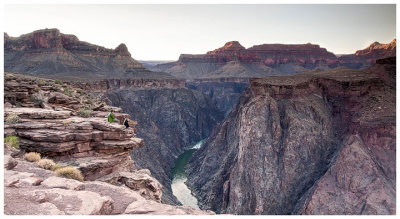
{"x": 179, "y": 177}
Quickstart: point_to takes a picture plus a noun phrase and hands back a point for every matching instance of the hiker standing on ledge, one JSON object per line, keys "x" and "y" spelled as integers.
{"x": 111, "y": 117}
{"x": 126, "y": 123}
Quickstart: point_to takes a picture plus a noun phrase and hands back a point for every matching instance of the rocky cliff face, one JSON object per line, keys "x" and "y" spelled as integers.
{"x": 224, "y": 92}
{"x": 369, "y": 55}
{"x": 51, "y": 53}
{"x": 321, "y": 142}
{"x": 233, "y": 60}
{"x": 169, "y": 121}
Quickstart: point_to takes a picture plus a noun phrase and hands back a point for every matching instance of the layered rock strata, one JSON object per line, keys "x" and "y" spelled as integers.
{"x": 233, "y": 60}
{"x": 321, "y": 142}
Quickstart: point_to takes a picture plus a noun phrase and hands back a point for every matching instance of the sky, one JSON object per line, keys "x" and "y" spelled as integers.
{"x": 163, "y": 32}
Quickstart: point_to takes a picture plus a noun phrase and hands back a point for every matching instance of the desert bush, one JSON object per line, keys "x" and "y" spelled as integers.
{"x": 46, "y": 164}
{"x": 56, "y": 167}
{"x": 70, "y": 172}
{"x": 12, "y": 119}
{"x": 85, "y": 112}
{"x": 58, "y": 82}
{"x": 11, "y": 141}
{"x": 79, "y": 91}
{"x": 67, "y": 92}
{"x": 32, "y": 157}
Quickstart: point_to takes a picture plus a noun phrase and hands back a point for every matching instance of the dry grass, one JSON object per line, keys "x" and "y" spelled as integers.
{"x": 46, "y": 164}
{"x": 56, "y": 167}
{"x": 70, "y": 172}
{"x": 32, "y": 157}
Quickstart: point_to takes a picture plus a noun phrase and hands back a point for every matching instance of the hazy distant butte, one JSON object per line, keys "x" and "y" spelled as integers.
{"x": 234, "y": 60}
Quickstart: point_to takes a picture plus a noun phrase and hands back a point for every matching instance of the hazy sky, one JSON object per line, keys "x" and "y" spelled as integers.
{"x": 163, "y": 32}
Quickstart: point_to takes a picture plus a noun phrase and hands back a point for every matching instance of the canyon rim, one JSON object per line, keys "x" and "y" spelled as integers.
{"x": 191, "y": 116}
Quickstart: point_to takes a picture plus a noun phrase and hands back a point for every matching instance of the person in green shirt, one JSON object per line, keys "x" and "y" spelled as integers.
{"x": 111, "y": 117}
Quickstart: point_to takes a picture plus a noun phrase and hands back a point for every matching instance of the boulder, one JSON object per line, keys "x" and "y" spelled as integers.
{"x": 59, "y": 98}
{"x": 9, "y": 162}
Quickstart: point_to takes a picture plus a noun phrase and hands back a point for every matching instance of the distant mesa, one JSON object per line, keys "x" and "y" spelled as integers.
{"x": 234, "y": 60}
{"x": 53, "y": 54}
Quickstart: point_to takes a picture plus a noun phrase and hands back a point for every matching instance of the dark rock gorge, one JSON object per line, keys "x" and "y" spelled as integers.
{"x": 224, "y": 92}
{"x": 169, "y": 121}
{"x": 321, "y": 142}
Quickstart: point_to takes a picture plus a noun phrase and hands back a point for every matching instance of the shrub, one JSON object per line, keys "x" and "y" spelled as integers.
{"x": 70, "y": 172}
{"x": 84, "y": 112}
{"x": 56, "y": 167}
{"x": 79, "y": 91}
{"x": 11, "y": 141}
{"x": 32, "y": 157}
{"x": 46, "y": 164}
{"x": 58, "y": 82}
{"x": 12, "y": 119}
{"x": 67, "y": 92}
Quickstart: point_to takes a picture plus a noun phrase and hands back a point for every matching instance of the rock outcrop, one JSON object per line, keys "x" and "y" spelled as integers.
{"x": 233, "y": 60}
{"x": 72, "y": 129}
{"x": 321, "y": 142}
{"x": 30, "y": 190}
{"x": 53, "y": 54}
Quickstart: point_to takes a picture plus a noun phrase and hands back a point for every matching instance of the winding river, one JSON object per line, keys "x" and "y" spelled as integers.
{"x": 179, "y": 177}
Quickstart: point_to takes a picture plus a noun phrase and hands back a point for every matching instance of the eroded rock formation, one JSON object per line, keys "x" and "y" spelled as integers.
{"x": 321, "y": 142}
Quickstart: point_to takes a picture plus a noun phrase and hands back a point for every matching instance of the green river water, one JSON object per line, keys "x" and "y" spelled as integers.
{"x": 179, "y": 177}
